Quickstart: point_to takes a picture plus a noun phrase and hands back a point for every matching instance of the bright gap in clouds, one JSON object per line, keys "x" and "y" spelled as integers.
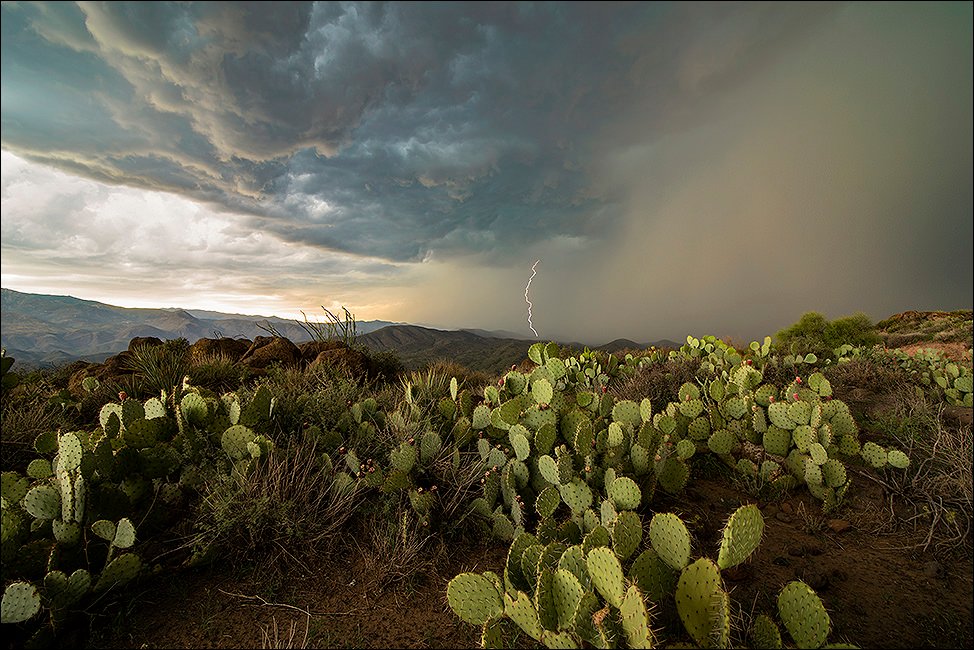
{"x": 65, "y": 235}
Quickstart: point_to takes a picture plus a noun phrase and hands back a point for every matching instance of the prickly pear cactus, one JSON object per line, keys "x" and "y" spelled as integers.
{"x": 803, "y": 615}
{"x": 20, "y": 602}
{"x": 697, "y": 595}
{"x": 474, "y": 598}
{"x": 741, "y": 536}
{"x": 606, "y": 573}
{"x": 670, "y": 539}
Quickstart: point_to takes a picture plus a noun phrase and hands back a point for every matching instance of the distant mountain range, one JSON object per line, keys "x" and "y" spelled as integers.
{"x": 46, "y": 330}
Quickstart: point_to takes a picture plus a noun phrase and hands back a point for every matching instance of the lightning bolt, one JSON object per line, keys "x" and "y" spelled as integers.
{"x": 534, "y": 272}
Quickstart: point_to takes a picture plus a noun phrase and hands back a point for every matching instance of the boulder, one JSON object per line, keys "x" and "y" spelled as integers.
{"x": 234, "y": 349}
{"x": 266, "y": 350}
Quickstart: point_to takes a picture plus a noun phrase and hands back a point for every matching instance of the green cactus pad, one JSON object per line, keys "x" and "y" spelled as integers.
{"x": 627, "y": 533}
{"x": 608, "y": 513}
{"x": 521, "y": 610}
{"x": 577, "y": 495}
{"x": 803, "y": 436}
{"x": 818, "y": 453}
{"x": 685, "y": 449}
{"x": 547, "y": 502}
{"x": 119, "y": 571}
{"x": 625, "y": 493}
{"x": 635, "y": 620}
{"x": 43, "y": 502}
{"x": 722, "y": 442}
{"x": 699, "y": 428}
{"x": 765, "y": 633}
{"x": 672, "y": 474}
{"x": 573, "y": 561}
{"x": 13, "y": 486}
{"x": 778, "y": 413}
{"x": 696, "y": 593}
{"x": 430, "y": 446}
{"x": 234, "y": 441}
{"x": 842, "y": 423}
{"x": 777, "y": 440}
{"x": 520, "y": 444}
{"x": 691, "y": 408}
{"x": 734, "y": 408}
{"x": 741, "y": 536}
{"x": 69, "y": 452}
{"x": 897, "y": 459}
{"x": 474, "y": 598}
{"x": 655, "y": 578}
{"x": 37, "y": 469}
{"x": 670, "y": 539}
{"x": 62, "y": 591}
{"x": 627, "y": 412}
{"x": 833, "y": 473}
{"x": 502, "y": 529}
{"x": 803, "y": 615}
{"x": 764, "y": 394}
{"x": 688, "y": 391}
{"x": 403, "y": 457}
{"x": 819, "y": 384}
{"x": 20, "y": 602}
{"x": 874, "y": 454}
{"x": 566, "y": 593}
{"x": 481, "y": 417}
{"x": 606, "y": 573}
{"x": 542, "y": 391}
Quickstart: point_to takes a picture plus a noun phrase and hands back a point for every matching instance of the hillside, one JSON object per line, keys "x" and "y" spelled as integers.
{"x": 42, "y": 329}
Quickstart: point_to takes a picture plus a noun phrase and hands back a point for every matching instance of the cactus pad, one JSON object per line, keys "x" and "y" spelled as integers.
{"x": 670, "y": 539}
{"x": 521, "y": 610}
{"x": 577, "y": 495}
{"x": 62, "y": 591}
{"x": 696, "y": 590}
{"x": 741, "y": 536}
{"x": 635, "y": 620}
{"x": 606, "y": 573}
{"x": 777, "y": 440}
{"x": 566, "y": 593}
{"x": 43, "y": 502}
{"x": 625, "y": 493}
{"x": 672, "y": 474}
{"x": 765, "y": 633}
{"x": 474, "y": 598}
{"x": 20, "y": 602}
{"x": 653, "y": 576}
{"x": 627, "y": 533}
{"x": 898, "y": 459}
{"x": 722, "y": 442}
{"x": 874, "y": 454}
{"x": 803, "y": 615}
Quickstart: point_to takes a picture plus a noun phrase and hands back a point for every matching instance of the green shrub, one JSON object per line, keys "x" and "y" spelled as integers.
{"x": 816, "y": 334}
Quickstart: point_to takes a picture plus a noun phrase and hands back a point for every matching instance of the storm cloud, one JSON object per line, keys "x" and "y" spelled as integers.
{"x": 704, "y": 168}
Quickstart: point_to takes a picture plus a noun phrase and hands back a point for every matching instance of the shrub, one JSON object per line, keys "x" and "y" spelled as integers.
{"x": 816, "y": 334}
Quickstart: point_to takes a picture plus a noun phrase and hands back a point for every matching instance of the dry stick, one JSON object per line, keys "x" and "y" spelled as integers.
{"x": 297, "y": 609}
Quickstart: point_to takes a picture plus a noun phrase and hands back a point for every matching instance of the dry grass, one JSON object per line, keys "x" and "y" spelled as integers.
{"x": 939, "y": 484}
{"x": 272, "y": 637}
{"x": 659, "y": 382}
{"x": 289, "y": 507}
{"x": 399, "y": 548}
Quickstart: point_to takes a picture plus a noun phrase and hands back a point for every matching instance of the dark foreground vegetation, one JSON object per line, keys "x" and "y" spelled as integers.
{"x": 806, "y": 491}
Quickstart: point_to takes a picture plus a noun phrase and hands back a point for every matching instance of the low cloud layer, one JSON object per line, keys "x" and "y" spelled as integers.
{"x": 678, "y": 168}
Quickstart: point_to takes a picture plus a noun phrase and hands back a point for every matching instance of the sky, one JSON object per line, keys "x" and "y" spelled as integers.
{"x": 674, "y": 169}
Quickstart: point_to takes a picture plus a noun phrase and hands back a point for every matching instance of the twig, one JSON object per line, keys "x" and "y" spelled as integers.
{"x": 266, "y": 603}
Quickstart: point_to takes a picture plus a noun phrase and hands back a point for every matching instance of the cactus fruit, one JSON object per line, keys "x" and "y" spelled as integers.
{"x": 741, "y": 536}
{"x": 803, "y": 615}
{"x": 606, "y": 573}
{"x": 670, "y": 539}
{"x": 696, "y": 598}
{"x": 20, "y": 602}
{"x": 474, "y": 598}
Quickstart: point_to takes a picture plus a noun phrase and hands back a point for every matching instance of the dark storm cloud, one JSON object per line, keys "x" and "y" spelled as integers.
{"x": 395, "y": 130}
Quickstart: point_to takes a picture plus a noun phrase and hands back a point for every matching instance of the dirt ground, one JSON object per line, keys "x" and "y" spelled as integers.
{"x": 881, "y": 589}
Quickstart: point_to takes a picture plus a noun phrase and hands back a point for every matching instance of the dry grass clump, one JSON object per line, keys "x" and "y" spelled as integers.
{"x": 659, "y": 382}
{"x": 290, "y": 506}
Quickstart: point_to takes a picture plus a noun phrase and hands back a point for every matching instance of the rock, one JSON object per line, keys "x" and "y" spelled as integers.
{"x": 352, "y": 361}
{"x": 311, "y": 349}
{"x": 787, "y": 508}
{"x": 204, "y": 349}
{"x": 266, "y": 350}
{"x": 147, "y": 341}
{"x": 784, "y": 518}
